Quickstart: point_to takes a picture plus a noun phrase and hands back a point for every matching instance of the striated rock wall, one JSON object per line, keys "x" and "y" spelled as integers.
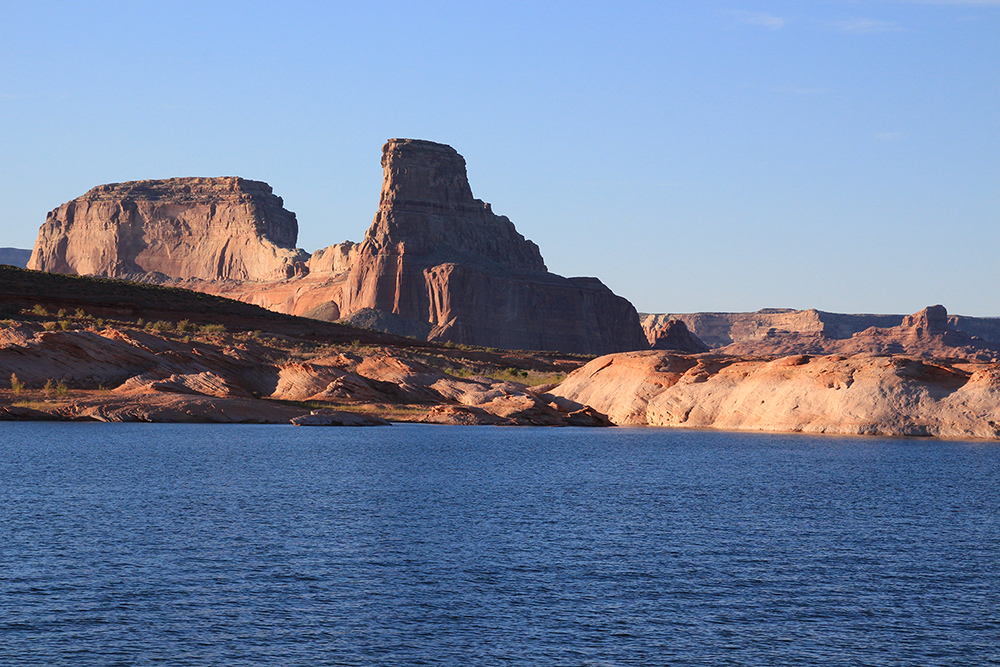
{"x": 722, "y": 329}
{"x": 927, "y": 333}
{"x": 205, "y": 228}
{"x": 435, "y": 257}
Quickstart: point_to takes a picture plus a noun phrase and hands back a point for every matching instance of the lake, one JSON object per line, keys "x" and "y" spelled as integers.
{"x": 142, "y": 544}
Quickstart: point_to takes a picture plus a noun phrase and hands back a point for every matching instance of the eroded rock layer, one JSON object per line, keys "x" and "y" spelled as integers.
{"x": 201, "y": 228}
{"x": 442, "y": 261}
{"x": 858, "y": 395}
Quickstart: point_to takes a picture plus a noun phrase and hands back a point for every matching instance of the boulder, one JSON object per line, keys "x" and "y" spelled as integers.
{"x": 442, "y": 262}
{"x": 338, "y": 418}
{"x": 183, "y": 228}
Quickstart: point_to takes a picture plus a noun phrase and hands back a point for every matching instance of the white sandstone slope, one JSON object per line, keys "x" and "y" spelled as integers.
{"x": 861, "y": 394}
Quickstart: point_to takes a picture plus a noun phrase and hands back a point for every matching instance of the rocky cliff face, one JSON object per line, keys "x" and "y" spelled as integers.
{"x": 674, "y": 335}
{"x": 811, "y": 330}
{"x": 203, "y": 228}
{"x": 438, "y": 260}
{"x": 927, "y": 334}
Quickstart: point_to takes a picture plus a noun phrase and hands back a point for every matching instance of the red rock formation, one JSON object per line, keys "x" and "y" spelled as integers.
{"x": 926, "y": 334}
{"x": 858, "y": 395}
{"x": 674, "y": 335}
{"x": 444, "y": 263}
{"x": 204, "y": 228}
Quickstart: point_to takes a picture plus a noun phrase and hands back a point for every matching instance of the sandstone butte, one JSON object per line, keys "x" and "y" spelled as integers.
{"x": 436, "y": 264}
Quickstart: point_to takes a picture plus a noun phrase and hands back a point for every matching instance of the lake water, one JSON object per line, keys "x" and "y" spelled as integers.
{"x": 142, "y": 544}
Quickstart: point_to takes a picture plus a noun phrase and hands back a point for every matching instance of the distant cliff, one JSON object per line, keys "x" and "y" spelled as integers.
{"x": 202, "y": 228}
{"x": 15, "y": 257}
{"x": 802, "y": 327}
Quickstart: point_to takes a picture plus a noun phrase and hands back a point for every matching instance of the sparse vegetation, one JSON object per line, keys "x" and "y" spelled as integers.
{"x": 50, "y": 326}
{"x": 16, "y": 385}
{"x": 39, "y": 309}
{"x": 62, "y": 389}
{"x": 49, "y": 386}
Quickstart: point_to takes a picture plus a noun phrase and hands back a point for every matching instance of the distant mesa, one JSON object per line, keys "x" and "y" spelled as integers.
{"x": 15, "y": 257}
{"x": 436, "y": 263}
{"x": 776, "y": 332}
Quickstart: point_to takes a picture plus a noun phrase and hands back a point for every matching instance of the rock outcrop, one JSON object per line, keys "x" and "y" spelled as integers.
{"x": 132, "y": 375}
{"x": 443, "y": 263}
{"x": 857, "y": 395}
{"x": 674, "y": 335}
{"x": 202, "y": 228}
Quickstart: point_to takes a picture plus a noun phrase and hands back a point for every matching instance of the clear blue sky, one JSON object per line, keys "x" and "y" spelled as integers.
{"x": 693, "y": 155}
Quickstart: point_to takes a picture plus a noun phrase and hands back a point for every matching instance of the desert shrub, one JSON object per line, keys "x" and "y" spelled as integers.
{"x": 99, "y": 322}
{"x": 61, "y": 312}
{"x": 80, "y": 313}
{"x": 16, "y": 385}
{"x": 184, "y": 325}
{"x": 62, "y": 389}
{"x": 160, "y": 325}
{"x": 39, "y": 309}
{"x": 50, "y": 326}
{"x": 64, "y": 324}
{"x": 49, "y": 386}
{"x": 213, "y": 328}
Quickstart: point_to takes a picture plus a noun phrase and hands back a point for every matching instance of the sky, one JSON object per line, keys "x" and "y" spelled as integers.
{"x": 695, "y": 156}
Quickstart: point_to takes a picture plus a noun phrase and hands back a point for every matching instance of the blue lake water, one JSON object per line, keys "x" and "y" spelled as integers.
{"x": 142, "y": 544}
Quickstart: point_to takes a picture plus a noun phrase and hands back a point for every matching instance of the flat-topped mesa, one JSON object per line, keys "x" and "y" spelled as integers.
{"x": 204, "y": 228}
{"x": 439, "y": 263}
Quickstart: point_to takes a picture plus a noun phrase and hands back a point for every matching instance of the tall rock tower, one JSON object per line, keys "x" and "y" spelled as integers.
{"x": 439, "y": 261}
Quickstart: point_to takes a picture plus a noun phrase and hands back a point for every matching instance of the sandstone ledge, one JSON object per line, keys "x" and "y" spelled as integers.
{"x": 856, "y": 395}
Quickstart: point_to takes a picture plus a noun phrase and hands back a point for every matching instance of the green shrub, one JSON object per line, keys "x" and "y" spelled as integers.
{"x": 62, "y": 389}
{"x": 64, "y": 324}
{"x": 39, "y": 309}
{"x": 80, "y": 313}
{"x": 49, "y": 386}
{"x": 184, "y": 325}
{"x": 213, "y": 328}
{"x": 49, "y": 326}
{"x": 61, "y": 313}
{"x": 16, "y": 385}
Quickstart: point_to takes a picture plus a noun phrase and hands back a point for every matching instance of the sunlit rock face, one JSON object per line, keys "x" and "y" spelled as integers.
{"x": 442, "y": 261}
{"x": 203, "y": 228}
